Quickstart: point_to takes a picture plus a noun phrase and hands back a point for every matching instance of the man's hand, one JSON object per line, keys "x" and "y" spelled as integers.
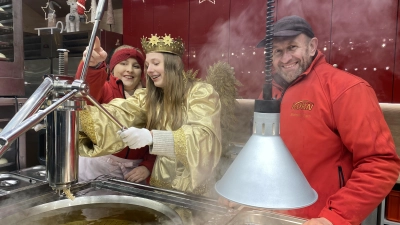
{"x": 98, "y": 54}
{"x": 136, "y": 138}
{"x": 318, "y": 221}
{"x": 138, "y": 174}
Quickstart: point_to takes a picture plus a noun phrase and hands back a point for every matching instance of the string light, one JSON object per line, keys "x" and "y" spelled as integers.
{"x": 212, "y": 1}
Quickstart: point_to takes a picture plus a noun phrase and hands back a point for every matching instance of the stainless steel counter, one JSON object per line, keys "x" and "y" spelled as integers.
{"x": 20, "y": 204}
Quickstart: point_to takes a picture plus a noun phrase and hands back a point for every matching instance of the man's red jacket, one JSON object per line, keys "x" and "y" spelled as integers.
{"x": 333, "y": 126}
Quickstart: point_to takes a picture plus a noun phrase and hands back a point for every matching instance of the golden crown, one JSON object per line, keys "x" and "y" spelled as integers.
{"x": 163, "y": 44}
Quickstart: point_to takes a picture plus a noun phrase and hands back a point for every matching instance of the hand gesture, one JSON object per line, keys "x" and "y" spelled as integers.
{"x": 98, "y": 54}
{"x": 136, "y": 138}
{"x": 138, "y": 174}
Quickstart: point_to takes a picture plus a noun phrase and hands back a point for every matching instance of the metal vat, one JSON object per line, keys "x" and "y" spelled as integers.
{"x": 106, "y": 209}
{"x": 29, "y": 204}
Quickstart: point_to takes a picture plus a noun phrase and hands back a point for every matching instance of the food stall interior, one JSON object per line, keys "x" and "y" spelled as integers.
{"x": 36, "y": 192}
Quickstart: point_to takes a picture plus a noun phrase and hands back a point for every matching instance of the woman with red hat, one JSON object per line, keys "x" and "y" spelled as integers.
{"x": 126, "y": 76}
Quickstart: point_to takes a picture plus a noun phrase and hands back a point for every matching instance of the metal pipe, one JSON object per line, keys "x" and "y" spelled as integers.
{"x": 178, "y": 193}
{"x": 99, "y": 11}
{"x": 92, "y": 38}
{"x": 31, "y": 106}
{"x": 8, "y": 137}
{"x": 103, "y": 110}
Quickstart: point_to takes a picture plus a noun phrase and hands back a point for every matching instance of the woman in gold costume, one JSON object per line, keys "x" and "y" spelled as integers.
{"x": 177, "y": 116}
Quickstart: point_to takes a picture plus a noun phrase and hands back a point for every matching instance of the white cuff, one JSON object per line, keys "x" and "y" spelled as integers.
{"x": 163, "y": 143}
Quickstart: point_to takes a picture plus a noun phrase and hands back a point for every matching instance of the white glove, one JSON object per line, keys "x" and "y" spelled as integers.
{"x": 136, "y": 138}
{"x": 38, "y": 127}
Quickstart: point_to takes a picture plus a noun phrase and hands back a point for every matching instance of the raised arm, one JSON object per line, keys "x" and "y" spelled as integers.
{"x": 96, "y": 73}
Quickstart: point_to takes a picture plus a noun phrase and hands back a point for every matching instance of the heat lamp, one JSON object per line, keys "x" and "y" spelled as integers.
{"x": 264, "y": 174}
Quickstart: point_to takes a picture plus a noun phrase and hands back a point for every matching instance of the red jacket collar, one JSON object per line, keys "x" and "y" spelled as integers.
{"x": 280, "y": 85}
{"x": 318, "y": 59}
{"x": 116, "y": 83}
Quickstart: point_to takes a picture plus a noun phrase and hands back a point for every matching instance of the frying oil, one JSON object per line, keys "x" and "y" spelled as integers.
{"x": 99, "y": 214}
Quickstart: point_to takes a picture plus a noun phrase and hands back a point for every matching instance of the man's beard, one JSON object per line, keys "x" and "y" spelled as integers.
{"x": 303, "y": 66}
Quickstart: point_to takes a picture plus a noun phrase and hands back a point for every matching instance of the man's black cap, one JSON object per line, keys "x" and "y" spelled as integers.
{"x": 290, "y": 26}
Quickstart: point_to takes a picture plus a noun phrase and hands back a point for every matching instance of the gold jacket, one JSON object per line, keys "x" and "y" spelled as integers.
{"x": 186, "y": 158}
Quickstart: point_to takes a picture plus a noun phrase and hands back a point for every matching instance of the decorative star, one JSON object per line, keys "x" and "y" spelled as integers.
{"x": 167, "y": 40}
{"x": 212, "y": 1}
{"x": 154, "y": 40}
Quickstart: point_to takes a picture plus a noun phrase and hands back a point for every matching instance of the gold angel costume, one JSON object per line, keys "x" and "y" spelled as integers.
{"x": 186, "y": 158}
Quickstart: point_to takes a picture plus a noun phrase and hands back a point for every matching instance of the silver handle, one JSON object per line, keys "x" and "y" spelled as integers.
{"x": 103, "y": 110}
{"x": 99, "y": 11}
{"x": 7, "y": 138}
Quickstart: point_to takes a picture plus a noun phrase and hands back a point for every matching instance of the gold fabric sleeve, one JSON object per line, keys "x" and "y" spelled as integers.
{"x": 102, "y": 132}
{"x": 197, "y": 146}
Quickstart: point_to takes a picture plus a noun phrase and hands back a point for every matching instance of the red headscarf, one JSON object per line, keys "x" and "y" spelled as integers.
{"x": 126, "y": 53}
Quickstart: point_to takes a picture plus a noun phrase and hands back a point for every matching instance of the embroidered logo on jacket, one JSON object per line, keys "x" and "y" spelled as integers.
{"x": 303, "y": 105}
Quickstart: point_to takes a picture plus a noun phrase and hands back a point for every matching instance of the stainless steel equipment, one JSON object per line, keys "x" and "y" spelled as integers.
{"x": 40, "y": 200}
{"x": 12, "y": 183}
{"x": 15, "y": 157}
{"x": 64, "y": 169}
{"x": 64, "y": 98}
{"x": 62, "y": 126}
{"x": 118, "y": 210}
{"x": 35, "y": 172}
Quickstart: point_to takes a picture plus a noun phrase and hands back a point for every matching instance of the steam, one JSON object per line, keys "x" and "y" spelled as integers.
{"x": 234, "y": 41}
{"x": 364, "y": 39}
{"x": 364, "y": 35}
{"x": 361, "y": 36}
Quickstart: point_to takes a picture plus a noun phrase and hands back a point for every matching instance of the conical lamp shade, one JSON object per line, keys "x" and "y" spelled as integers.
{"x": 265, "y": 175}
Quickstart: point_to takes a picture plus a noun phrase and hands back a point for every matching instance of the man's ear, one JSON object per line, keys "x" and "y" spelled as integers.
{"x": 313, "y": 44}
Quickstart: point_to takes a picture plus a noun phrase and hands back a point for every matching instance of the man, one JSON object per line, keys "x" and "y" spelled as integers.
{"x": 333, "y": 126}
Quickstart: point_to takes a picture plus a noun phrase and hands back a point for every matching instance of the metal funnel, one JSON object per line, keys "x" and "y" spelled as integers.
{"x": 264, "y": 174}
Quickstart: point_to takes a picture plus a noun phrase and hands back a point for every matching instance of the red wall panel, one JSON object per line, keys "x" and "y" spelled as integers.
{"x": 363, "y": 41}
{"x": 247, "y": 28}
{"x": 396, "y": 77}
{"x": 155, "y": 17}
{"x": 225, "y": 31}
{"x": 138, "y": 20}
{"x": 355, "y": 35}
{"x": 172, "y": 17}
{"x": 208, "y": 34}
